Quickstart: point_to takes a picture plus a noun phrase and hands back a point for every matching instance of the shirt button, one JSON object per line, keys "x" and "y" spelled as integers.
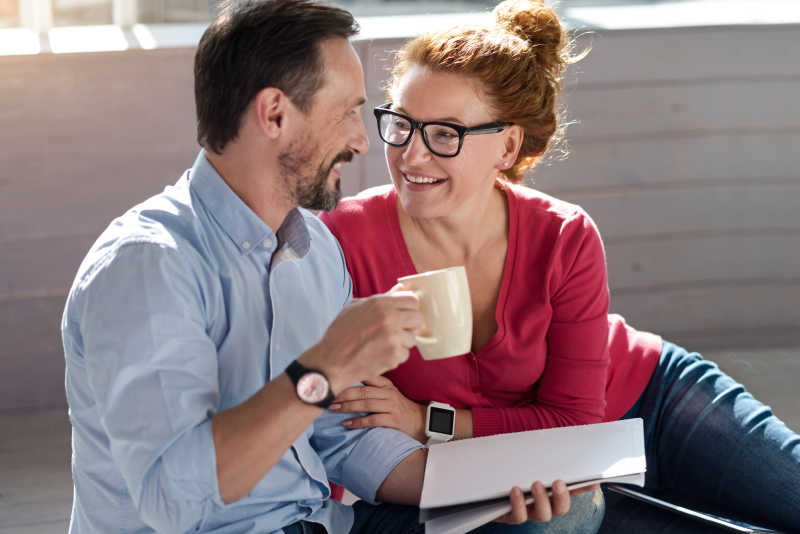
{"x": 267, "y": 243}
{"x": 277, "y": 346}
{"x": 246, "y": 245}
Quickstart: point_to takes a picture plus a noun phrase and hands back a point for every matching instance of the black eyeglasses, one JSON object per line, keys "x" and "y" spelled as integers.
{"x": 442, "y": 138}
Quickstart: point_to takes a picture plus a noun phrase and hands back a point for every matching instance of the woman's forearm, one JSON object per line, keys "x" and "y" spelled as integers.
{"x": 463, "y": 428}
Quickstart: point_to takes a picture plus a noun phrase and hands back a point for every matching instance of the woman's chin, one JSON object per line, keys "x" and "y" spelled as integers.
{"x": 421, "y": 210}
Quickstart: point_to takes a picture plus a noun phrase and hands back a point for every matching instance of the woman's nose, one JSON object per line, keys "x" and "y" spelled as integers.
{"x": 416, "y": 150}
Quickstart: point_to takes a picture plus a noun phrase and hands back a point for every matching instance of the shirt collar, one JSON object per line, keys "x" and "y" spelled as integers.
{"x": 294, "y": 233}
{"x": 241, "y": 224}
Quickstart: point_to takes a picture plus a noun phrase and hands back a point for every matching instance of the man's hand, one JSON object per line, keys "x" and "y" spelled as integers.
{"x": 369, "y": 337}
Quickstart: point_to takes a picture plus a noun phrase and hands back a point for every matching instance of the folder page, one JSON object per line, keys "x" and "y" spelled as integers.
{"x": 477, "y": 469}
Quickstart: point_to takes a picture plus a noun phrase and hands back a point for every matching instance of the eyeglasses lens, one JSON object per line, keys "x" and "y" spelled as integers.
{"x": 394, "y": 130}
{"x": 441, "y": 140}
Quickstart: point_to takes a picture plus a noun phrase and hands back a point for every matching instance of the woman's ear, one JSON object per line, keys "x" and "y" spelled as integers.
{"x": 511, "y": 147}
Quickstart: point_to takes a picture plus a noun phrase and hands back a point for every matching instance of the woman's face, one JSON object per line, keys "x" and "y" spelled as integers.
{"x": 432, "y": 186}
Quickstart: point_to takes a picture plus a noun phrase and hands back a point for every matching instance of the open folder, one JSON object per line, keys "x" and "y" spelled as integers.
{"x": 467, "y": 481}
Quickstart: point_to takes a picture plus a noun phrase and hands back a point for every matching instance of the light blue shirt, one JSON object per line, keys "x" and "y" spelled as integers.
{"x": 185, "y": 306}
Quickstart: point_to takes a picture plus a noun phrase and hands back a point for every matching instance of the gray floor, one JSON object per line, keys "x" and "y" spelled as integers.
{"x": 36, "y": 489}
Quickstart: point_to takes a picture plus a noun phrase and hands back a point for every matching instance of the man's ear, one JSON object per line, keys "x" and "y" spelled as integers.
{"x": 270, "y": 106}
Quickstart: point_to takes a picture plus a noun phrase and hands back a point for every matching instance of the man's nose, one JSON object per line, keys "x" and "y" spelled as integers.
{"x": 359, "y": 142}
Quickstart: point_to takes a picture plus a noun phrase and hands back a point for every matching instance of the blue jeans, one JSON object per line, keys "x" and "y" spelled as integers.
{"x": 584, "y": 517}
{"x": 707, "y": 438}
{"x": 370, "y": 519}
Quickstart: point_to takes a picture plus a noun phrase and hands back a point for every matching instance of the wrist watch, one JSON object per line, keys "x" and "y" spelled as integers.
{"x": 440, "y": 423}
{"x": 311, "y": 385}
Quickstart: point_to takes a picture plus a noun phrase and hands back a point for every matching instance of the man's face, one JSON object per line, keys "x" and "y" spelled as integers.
{"x": 333, "y": 133}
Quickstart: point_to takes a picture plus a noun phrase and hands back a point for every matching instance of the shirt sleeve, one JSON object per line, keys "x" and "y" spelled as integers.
{"x": 153, "y": 371}
{"x": 359, "y": 460}
{"x": 571, "y": 389}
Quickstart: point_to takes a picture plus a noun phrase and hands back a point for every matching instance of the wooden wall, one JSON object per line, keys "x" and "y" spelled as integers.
{"x": 686, "y": 153}
{"x": 83, "y": 137}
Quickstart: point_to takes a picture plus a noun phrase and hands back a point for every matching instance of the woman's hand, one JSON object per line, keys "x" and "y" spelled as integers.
{"x": 543, "y": 507}
{"x": 386, "y": 406}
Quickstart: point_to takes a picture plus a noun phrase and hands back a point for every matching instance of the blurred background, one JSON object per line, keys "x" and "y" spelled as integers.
{"x": 684, "y": 146}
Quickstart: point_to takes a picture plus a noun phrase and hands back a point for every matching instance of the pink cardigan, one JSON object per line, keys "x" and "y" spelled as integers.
{"x": 557, "y": 358}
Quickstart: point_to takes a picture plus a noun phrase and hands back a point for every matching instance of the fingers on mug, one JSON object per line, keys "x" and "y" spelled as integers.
{"x": 424, "y": 340}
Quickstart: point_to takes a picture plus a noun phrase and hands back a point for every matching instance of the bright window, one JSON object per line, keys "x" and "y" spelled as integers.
{"x": 81, "y": 12}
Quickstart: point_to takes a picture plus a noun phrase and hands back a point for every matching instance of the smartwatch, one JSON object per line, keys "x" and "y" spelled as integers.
{"x": 440, "y": 423}
{"x": 311, "y": 385}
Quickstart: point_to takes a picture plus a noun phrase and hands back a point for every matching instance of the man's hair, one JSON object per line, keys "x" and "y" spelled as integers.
{"x": 253, "y": 44}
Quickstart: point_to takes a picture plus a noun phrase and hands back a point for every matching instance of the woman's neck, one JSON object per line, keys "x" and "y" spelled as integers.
{"x": 459, "y": 236}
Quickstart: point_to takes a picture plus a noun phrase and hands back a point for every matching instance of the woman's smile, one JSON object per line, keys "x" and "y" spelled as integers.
{"x": 421, "y": 182}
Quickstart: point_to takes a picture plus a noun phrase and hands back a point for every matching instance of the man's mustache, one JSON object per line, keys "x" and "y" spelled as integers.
{"x": 345, "y": 156}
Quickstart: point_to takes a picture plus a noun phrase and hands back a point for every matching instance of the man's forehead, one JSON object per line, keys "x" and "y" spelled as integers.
{"x": 343, "y": 75}
{"x": 339, "y": 53}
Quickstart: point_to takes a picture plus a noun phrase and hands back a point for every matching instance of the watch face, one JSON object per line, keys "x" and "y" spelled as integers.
{"x": 441, "y": 421}
{"x": 312, "y": 388}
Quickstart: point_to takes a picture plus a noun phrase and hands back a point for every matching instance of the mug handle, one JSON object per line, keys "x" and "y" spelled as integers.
{"x": 424, "y": 340}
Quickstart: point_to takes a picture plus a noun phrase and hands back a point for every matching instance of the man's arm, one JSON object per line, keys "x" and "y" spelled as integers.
{"x": 404, "y": 483}
{"x": 249, "y": 439}
{"x": 369, "y": 337}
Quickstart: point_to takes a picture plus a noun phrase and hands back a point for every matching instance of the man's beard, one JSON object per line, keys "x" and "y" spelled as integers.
{"x": 311, "y": 191}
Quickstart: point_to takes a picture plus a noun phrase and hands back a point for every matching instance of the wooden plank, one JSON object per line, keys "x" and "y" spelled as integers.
{"x": 701, "y": 159}
{"x": 31, "y": 353}
{"x": 703, "y": 211}
{"x": 677, "y": 260}
{"x": 60, "y": 525}
{"x": 34, "y": 267}
{"x": 725, "y": 307}
{"x": 651, "y": 56}
{"x": 82, "y": 135}
{"x": 36, "y": 486}
{"x": 701, "y": 107}
{"x": 656, "y": 55}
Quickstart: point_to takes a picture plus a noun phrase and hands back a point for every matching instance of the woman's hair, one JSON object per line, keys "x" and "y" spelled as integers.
{"x": 519, "y": 63}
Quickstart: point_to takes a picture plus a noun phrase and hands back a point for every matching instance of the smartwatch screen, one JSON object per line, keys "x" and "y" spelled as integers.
{"x": 441, "y": 420}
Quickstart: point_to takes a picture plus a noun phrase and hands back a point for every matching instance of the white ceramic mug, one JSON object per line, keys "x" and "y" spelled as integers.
{"x": 447, "y": 308}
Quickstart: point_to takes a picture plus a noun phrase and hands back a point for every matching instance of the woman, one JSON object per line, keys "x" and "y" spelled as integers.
{"x": 471, "y": 110}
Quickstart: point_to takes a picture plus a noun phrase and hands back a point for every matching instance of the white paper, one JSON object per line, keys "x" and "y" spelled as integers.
{"x": 461, "y": 522}
{"x": 474, "y": 470}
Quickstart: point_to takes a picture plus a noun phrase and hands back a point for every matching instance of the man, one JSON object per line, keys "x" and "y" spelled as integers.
{"x": 208, "y": 326}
